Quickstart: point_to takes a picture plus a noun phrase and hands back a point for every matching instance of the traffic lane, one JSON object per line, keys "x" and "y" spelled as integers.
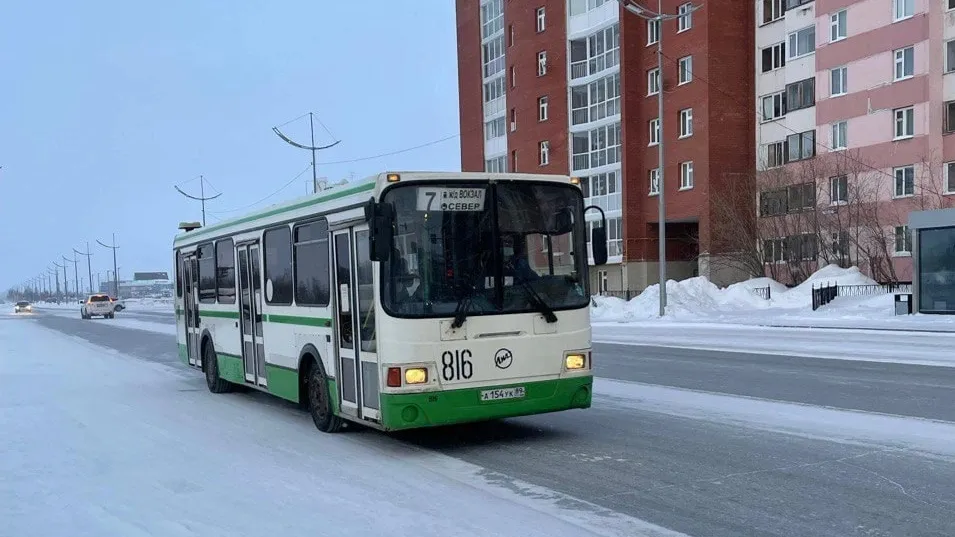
{"x": 694, "y": 476}
{"x": 708, "y": 479}
{"x": 151, "y": 316}
{"x": 152, "y": 346}
{"x": 902, "y": 389}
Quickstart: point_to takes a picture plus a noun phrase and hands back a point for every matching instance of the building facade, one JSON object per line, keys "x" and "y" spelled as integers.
{"x": 570, "y": 87}
{"x": 855, "y": 105}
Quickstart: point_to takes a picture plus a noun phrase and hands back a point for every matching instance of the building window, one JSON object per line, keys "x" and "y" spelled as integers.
{"x": 278, "y": 265}
{"x": 686, "y": 123}
{"x": 949, "y": 125}
{"x": 513, "y": 73}
{"x": 494, "y": 128}
{"x": 494, "y": 89}
{"x": 774, "y": 106}
{"x": 903, "y": 240}
{"x": 775, "y": 154}
{"x": 602, "y": 190}
{"x": 904, "y": 122}
{"x": 773, "y": 57}
{"x": 312, "y": 270}
{"x": 597, "y": 147}
{"x": 838, "y": 189}
{"x": 541, "y": 22}
{"x": 496, "y": 164}
{"x": 653, "y": 32}
{"x": 801, "y": 146}
{"x": 542, "y": 108}
{"x": 514, "y": 160}
{"x": 654, "y": 131}
{"x": 950, "y": 55}
{"x": 949, "y": 173}
{"x": 493, "y": 55}
{"x": 902, "y": 9}
{"x": 595, "y": 53}
{"x": 904, "y": 63}
{"x": 510, "y": 35}
{"x": 686, "y": 175}
{"x": 772, "y": 10}
{"x": 837, "y": 26}
{"x": 225, "y": 271}
{"x": 653, "y": 81}
{"x": 838, "y": 81}
{"x": 801, "y": 94}
{"x": 686, "y": 69}
{"x": 904, "y": 181}
{"x": 840, "y": 135}
{"x": 513, "y": 119}
{"x": 951, "y": 5}
{"x": 654, "y": 181}
{"x": 542, "y": 63}
{"x": 543, "y": 153}
{"x": 802, "y": 42}
{"x": 685, "y": 20}
{"x": 595, "y": 101}
{"x": 492, "y": 18}
{"x": 793, "y": 4}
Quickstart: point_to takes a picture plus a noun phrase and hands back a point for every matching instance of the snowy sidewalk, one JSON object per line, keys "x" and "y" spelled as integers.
{"x": 833, "y": 343}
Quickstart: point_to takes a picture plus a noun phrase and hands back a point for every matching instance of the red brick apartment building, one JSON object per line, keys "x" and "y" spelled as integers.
{"x": 570, "y": 87}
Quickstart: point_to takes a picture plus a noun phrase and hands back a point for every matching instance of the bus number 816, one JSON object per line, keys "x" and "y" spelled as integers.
{"x": 456, "y": 365}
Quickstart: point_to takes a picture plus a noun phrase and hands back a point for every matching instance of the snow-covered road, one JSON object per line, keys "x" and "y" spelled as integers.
{"x": 779, "y": 451}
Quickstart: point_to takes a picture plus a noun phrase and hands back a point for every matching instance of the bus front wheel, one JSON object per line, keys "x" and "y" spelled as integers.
{"x": 320, "y": 401}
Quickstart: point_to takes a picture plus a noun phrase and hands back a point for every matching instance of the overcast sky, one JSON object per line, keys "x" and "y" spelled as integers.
{"x": 106, "y": 105}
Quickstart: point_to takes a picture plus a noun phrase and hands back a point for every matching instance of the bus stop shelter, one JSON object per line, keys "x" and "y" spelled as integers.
{"x": 933, "y": 255}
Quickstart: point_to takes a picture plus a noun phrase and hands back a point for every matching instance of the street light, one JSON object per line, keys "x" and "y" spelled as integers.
{"x": 659, "y": 16}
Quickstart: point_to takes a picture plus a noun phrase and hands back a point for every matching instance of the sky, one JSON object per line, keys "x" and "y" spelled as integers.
{"x": 106, "y": 106}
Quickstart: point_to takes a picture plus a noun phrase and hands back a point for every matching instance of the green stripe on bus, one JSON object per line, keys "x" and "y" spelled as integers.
{"x": 231, "y": 367}
{"x": 283, "y": 382}
{"x": 295, "y": 319}
{"x": 219, "y": 314}
{"x": 307, "y": 203}
{"x": 408, "y": 411}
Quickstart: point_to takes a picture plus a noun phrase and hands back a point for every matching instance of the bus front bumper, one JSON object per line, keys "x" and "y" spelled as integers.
{"x": 410, "y": 411}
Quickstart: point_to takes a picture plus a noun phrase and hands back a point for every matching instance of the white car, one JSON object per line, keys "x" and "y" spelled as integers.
{"x": 23, "y": 307}
{"x": 98, "y": 305}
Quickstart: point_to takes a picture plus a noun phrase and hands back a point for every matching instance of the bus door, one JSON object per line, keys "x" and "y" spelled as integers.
{"x": 355, "y": 316}
{"x": 190, "y": 309}
{"x": 250, "y": 313}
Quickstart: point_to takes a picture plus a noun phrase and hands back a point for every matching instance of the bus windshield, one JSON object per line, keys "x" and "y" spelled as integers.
{"x": 507, "y": 247}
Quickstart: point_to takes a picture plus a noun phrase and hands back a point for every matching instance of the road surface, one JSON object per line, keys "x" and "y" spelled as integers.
{"x": 695, "y": 474}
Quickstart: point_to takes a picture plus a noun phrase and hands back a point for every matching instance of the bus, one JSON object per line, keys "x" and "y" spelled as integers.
{"x": 401, "y": 301}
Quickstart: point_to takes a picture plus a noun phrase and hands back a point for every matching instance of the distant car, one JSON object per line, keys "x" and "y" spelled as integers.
{"x": 97, "y": 305}
{"x": 118, "y": 304}
{"x": 23, "y": 307}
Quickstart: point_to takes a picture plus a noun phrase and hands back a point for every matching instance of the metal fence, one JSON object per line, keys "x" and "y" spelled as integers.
{"x": 626, "y": 294}
{"x": 827, "y": 292}
{"x": 765, "y": 293}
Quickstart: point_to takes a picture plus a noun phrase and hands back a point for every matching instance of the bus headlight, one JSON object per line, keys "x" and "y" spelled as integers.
{"x": 416, "y": 375}
{"x": 575, "y": 361}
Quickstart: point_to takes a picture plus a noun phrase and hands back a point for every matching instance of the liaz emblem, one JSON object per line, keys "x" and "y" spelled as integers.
{"x": 503, "y": 359}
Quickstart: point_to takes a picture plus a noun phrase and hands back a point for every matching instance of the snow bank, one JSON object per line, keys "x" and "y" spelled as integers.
{"x": 697, "y": 298}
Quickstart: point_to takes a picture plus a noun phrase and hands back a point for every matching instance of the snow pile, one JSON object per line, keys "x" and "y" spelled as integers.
{"x": 698, "y": 298}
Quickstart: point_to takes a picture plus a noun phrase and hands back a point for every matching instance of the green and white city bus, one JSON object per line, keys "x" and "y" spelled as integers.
{"x": 405, "y": 300}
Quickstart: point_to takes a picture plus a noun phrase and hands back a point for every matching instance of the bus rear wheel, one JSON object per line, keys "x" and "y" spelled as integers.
{"x": 320, "y": 401}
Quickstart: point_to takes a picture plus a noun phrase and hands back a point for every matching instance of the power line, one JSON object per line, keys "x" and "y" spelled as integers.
{"x": 286, "y": 185}
{"x": 201, "y": 198}
{"x": 398, "y": 152}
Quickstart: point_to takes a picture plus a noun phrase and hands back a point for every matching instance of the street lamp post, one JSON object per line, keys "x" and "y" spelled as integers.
{"x": 659, "y": 16}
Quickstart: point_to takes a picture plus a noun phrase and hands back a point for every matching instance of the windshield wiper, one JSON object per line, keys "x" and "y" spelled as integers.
{"x": 536, "y": 299}
{"x": 464, "y": 303}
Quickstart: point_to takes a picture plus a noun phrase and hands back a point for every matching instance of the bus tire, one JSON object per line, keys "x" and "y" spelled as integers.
{"x": 210, "y": 365}
{"x": 320, "y": 401}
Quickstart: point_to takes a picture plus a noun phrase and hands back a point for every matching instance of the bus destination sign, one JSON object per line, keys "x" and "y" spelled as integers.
{"x": 450, "y": 199}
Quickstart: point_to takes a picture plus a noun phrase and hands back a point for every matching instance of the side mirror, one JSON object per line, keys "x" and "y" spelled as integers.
{"x": 598, "y": 245}
{"x": 380, "y": 218}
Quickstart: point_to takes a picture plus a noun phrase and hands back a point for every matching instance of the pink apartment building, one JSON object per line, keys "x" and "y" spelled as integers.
{"x": 856, "y": 105}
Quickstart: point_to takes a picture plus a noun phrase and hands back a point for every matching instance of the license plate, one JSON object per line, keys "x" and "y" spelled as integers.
{"x": 504, "y": 393}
